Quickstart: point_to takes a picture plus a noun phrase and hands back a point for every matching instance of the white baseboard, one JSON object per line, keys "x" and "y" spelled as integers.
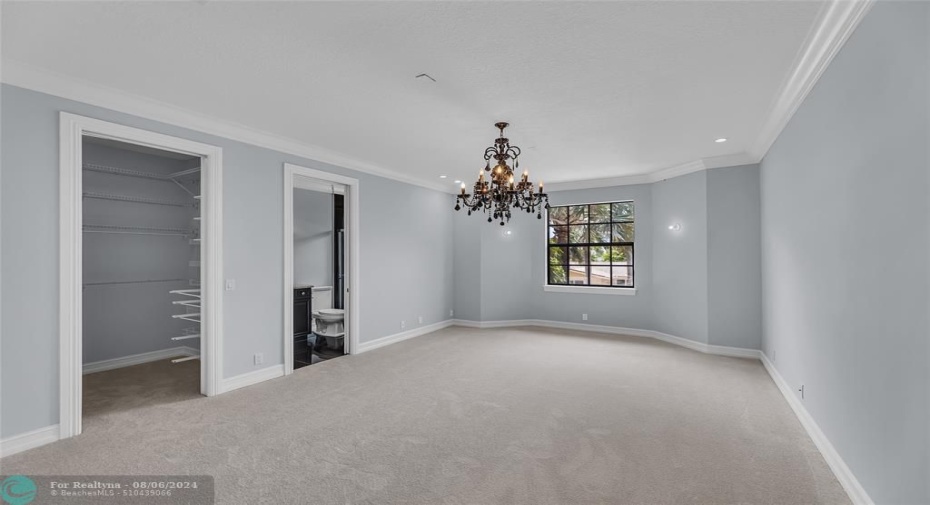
{"x": 138, "y": 359}
{"x": 494, "y": 324}
{"x": 404, "y": 335}
{"x": 273, "y": 372}
{"x": 737, "y": 352}
{"x": 29, "y": 440}
{"x": 250, "y": 378}
{"x": 842, "y": 472}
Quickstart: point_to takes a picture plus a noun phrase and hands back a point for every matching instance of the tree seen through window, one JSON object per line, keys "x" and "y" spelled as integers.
{"x": 591, "y": 245}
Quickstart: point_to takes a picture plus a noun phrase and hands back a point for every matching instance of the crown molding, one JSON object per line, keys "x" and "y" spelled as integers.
{"x": 730, "y": 160}
{"x": 625, "y": 180}
{"x": 677, "y": 171}
{"x": 629, "y": 180}
{"x": 17, "y": 73}
{"x": 835, "y": 23}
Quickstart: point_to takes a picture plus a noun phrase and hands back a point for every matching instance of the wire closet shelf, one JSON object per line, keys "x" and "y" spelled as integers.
{"x": 190, "y": 299}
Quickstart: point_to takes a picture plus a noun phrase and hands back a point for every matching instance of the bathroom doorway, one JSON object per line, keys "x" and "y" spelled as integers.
{"x": 320, "y": 320}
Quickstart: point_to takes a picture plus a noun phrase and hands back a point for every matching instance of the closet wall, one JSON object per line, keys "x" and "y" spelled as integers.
{"x": 140, "y": 242}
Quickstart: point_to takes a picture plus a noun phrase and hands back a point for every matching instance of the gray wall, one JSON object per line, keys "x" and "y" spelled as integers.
{"x": 734, "y": 257}
{"x": 405, "y": 265}
{"x": 500, "y": 276}
{"x": 608, "y": 310}
{"x": 313, "y": 238}
{"x": 845, "y": 252}
{"x": 467, "y": 255}
{"x": 508, "y": 281}
{"x": 126, "y": 319}
{"x": 702, "y": 282}
{"x": 680, "y": 257}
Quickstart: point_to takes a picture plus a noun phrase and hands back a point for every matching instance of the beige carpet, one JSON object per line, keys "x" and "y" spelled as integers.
{"x": 462, "y": 416}
{"x": 114, "y": 391}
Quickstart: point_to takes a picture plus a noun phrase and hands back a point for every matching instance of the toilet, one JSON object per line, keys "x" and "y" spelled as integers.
{"x": 327, "y": 321}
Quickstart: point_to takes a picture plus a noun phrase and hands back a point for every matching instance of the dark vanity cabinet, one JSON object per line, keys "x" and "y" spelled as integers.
{"x": 302, "y": 322}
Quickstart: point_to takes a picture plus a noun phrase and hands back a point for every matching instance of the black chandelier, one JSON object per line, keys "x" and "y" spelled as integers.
{"x": 497, "y": 194}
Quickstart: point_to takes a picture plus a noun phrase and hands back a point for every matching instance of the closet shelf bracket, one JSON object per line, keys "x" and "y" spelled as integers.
{"x": 192, "y": 317}
{"x": 186, "y": 292}
{"x": 182, "y": 173}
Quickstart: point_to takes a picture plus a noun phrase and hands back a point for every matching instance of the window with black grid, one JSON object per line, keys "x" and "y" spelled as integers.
{"x": 591, "y": 245}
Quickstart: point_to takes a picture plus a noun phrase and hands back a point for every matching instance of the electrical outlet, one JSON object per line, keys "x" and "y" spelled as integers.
{"x": 419, "y": 319}
{"x": 451, "y": 313}
{"x": 801, "y": 390}
{"x": 403, "y": 325}
{"x": 259, "y": 358}
{"x": 230, "y": 284}
{"x": 584, "y": 317}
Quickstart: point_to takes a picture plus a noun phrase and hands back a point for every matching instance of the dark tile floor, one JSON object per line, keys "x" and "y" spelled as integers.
{"x": 320, "y": 352}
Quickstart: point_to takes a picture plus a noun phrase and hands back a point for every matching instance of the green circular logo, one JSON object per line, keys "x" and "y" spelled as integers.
{"x": 18, "y": 490}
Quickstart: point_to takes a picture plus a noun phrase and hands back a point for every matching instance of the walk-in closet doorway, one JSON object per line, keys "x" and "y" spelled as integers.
{"x": 304, "y": 338}
{"x": 141, "y": 265}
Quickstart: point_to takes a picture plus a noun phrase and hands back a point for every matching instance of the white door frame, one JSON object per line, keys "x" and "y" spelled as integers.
{"x": 292, "y": 172}
{"x": 72, "y": 130}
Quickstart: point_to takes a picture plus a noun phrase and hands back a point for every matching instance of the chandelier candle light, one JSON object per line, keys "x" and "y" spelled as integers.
{"x": 497, "y": 194}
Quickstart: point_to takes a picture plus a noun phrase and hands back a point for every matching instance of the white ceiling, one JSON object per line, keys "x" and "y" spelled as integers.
{"x": 592, "y": 90}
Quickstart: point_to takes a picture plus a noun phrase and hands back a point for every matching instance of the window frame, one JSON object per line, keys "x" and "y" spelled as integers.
{"x": 588, "y": 287}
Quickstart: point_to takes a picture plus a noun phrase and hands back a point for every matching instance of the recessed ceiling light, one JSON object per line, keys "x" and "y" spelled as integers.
{"x": 443, "y": 176}
{"x": 720, "y": 140}
{"x": 458, "y": 181}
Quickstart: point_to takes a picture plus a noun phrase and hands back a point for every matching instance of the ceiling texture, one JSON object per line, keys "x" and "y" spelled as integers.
{"x": 592, "y": 90}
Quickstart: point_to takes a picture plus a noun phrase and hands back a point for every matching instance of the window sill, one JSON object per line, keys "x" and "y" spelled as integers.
{"x": 590, "y": 290}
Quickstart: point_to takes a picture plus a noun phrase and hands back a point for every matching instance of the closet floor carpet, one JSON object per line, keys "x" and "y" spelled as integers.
{"x": 466, "y": 416}
{"x": 107, "y": 394}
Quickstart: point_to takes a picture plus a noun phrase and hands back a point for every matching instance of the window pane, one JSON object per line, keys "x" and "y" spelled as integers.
{"x": 623, "y": 232}
{"x": 578, "y": 274}
{"x": 600, "y": 213}
{"x": 621, "y": 255}
{"x": 600, "y": 233}
{"x": 584, "y": 244}
{"x": 578, "y": 214}
{"x": 578, "y": 234}
{"x": 557, "y": 275}
{"x": 623, "y": 211}
{"x": 577, "y": 255}
{"x": 558, "y": 255}
{"x": 557, "y": 215}
{"x": 600, "y": 276}
{"x": 600, "y": 255}
{"x": 622, "y": 276}
{"x": 558, "y": 234}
